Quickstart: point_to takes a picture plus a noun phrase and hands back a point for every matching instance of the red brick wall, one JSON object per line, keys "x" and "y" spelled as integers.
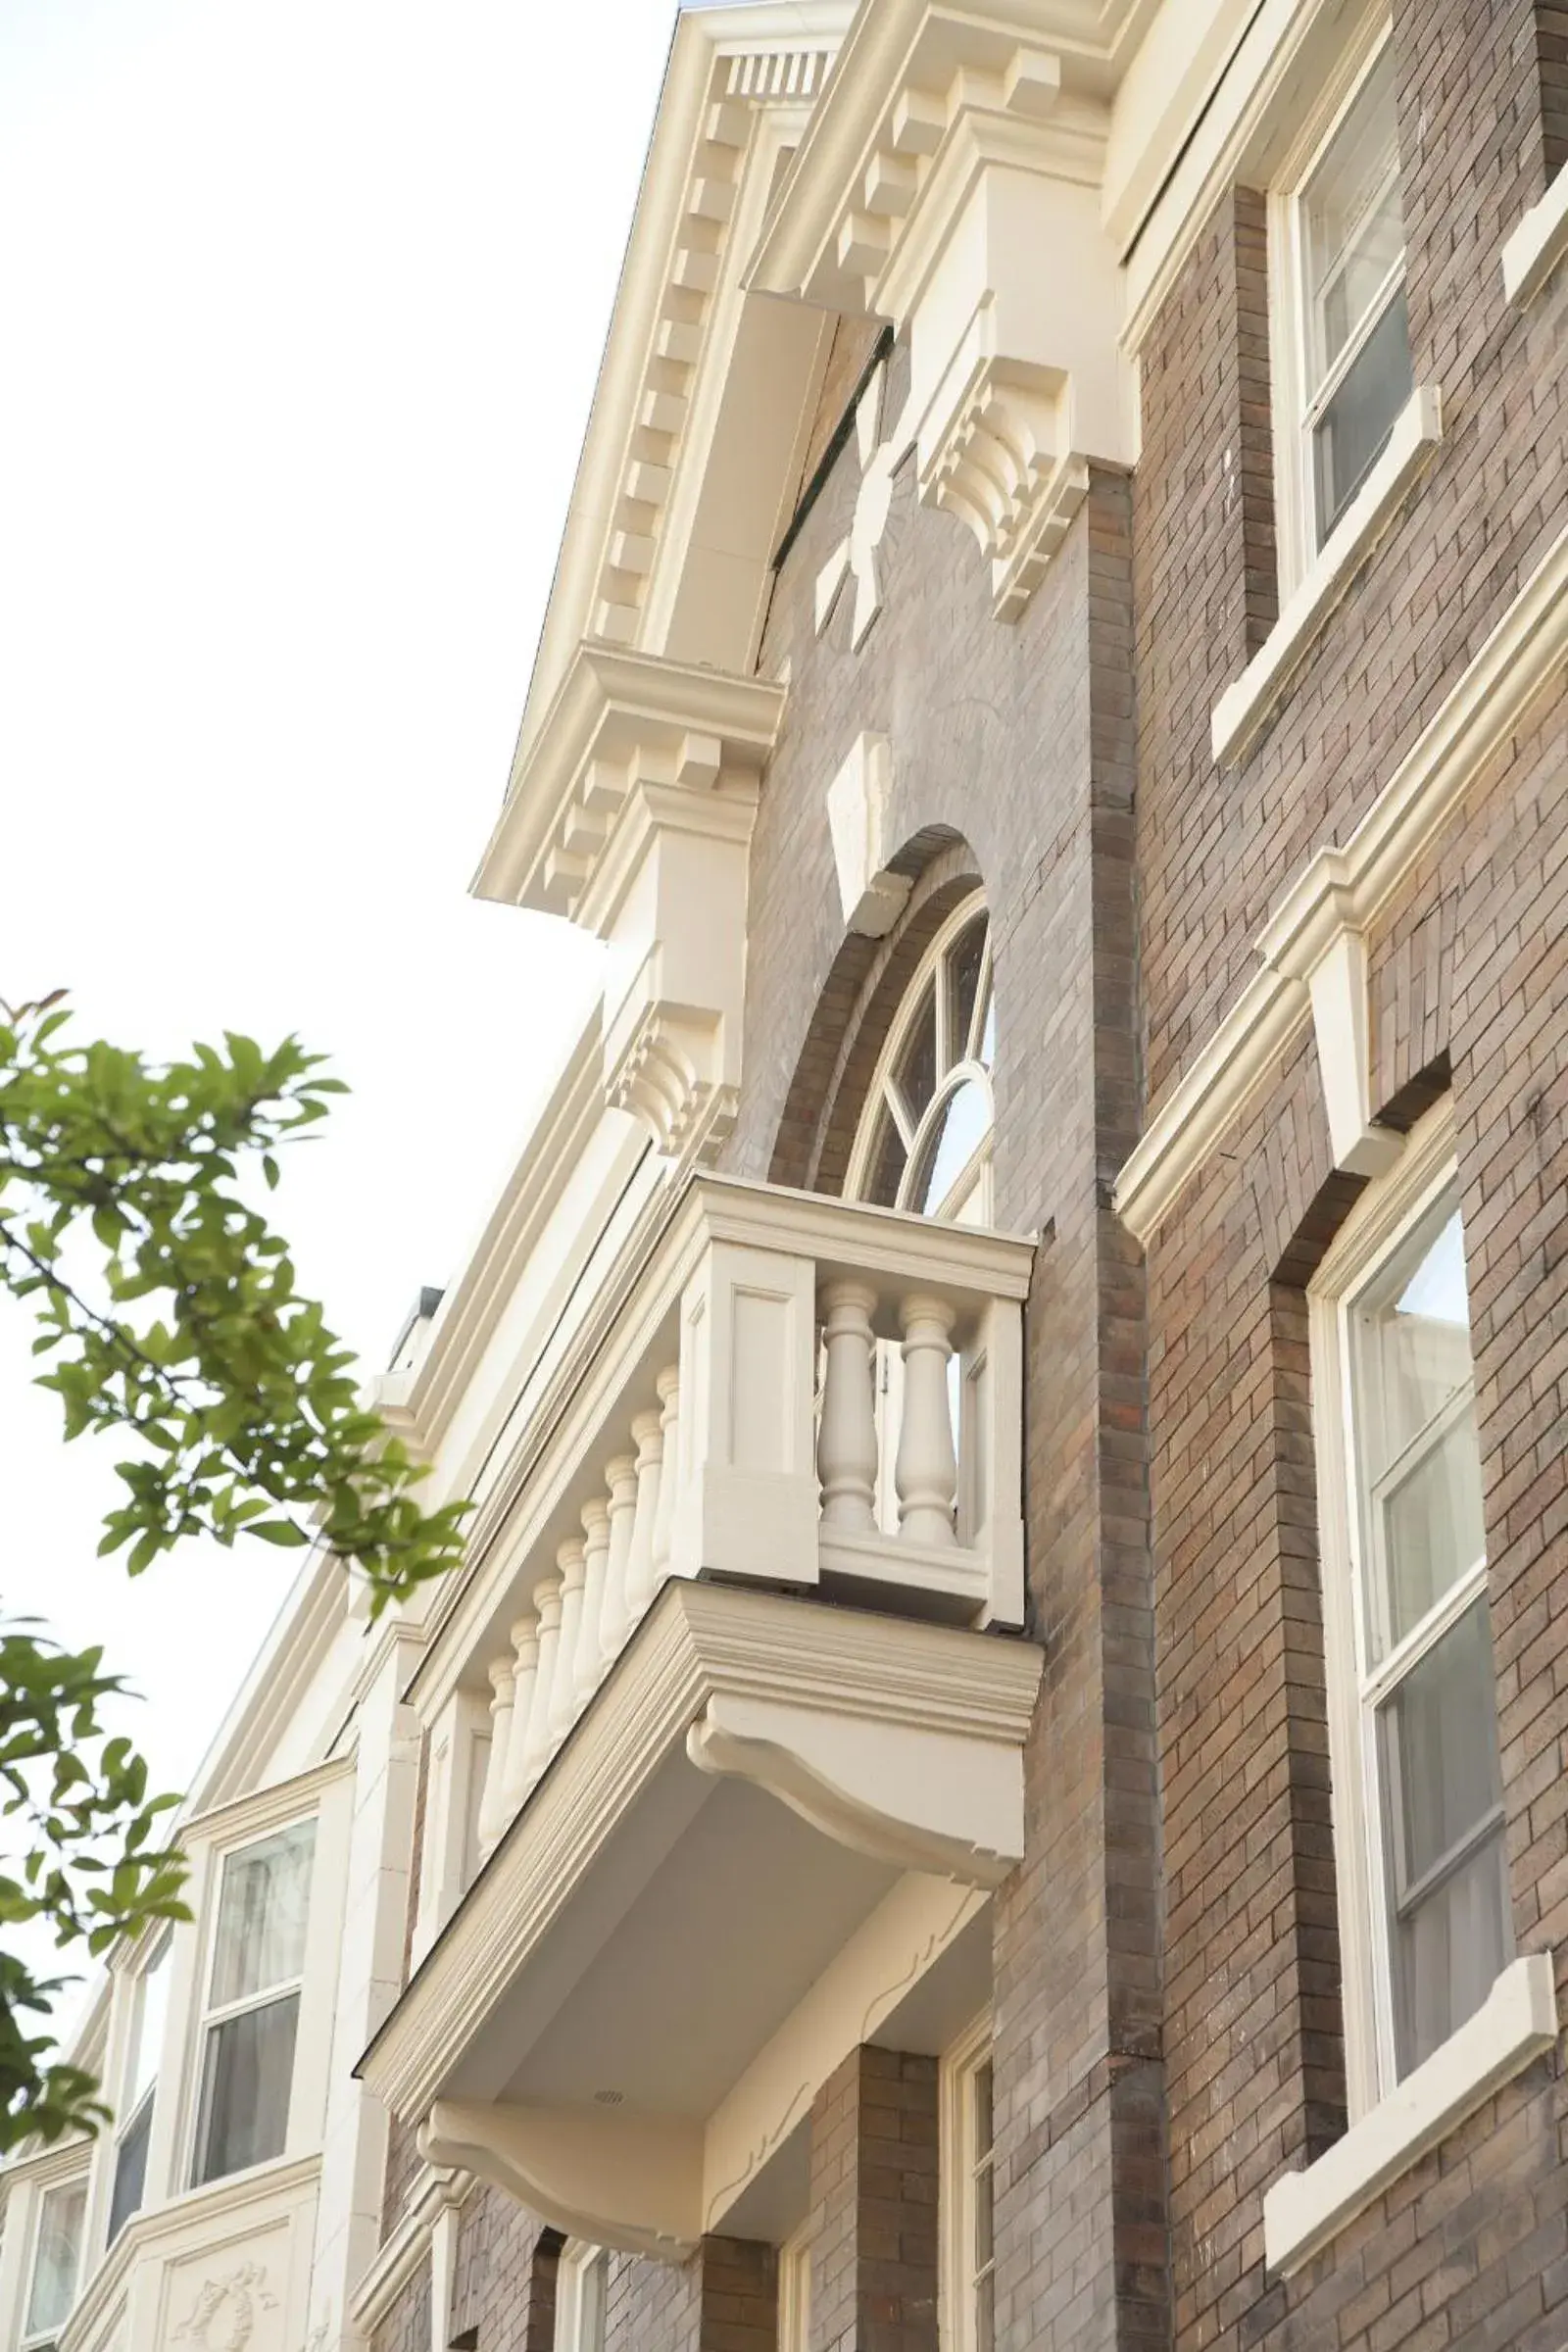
{"x": 1470, "y": 2248}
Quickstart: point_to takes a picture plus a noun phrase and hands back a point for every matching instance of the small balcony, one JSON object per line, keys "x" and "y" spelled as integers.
{"x": 757, "y": 1705}
{"x": 798, "y": 1393}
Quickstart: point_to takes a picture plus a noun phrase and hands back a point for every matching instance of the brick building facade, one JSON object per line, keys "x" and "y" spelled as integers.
{"x": 1061, "y": 627}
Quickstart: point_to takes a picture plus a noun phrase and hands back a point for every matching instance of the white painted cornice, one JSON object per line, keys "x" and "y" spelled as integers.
{"x": 1314, "y": 940}
{"x": 585, "y": 2174}
{"x": 263, "y": 1809}
{"x": 897, "y": 46}
{"x": 729, "y": 70}
{"x": 615, "y": 709}
{"x": 956, "y": 146}
{"x": 953, "y": 1695}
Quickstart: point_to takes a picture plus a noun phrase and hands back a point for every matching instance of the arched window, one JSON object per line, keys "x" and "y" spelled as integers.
{"x": 923, "y": 1141}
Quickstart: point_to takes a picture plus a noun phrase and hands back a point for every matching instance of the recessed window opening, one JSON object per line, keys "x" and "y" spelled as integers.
{"x": 1418, "y": 1782}
{"x": 56, "y": 2261}
{"x": 252, "y": 2004}
{"x": 1340, "y": 308}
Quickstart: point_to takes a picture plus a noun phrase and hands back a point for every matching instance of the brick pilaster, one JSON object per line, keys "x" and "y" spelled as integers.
{"x": 874, "y": 2140}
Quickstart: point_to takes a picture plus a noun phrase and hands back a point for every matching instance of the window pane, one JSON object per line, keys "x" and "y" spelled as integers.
{"x": 63, "y": 2210}
{"x": 151, "y": 2009}
{"x": 1449, "y": 1928}
{"x": 246, "y": 2077}
{"x": 963, "y": 984}
{"x": 131, "y": 2171}
{"x": 1419, "y": 1455}
{"x": 1351, "y": 433}
{"x": 260, "y": 1920}
{"x": 916, "y": 1073}
{"x": 962, "y": 1126}
{"x": 1353, "y": 219}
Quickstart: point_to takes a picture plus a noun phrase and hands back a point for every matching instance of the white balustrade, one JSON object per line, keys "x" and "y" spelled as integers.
{"x": 910, "y": 1500}
{"x": 668, "y": 1387}
{"x": 571, "y": 1560}
{"x": 620, "y": 1476}
{"x": 541, "y": 1745}
{"x": 590, "y": 1663}
{"x": 493, "y": 1804}
{"x": 648, "y": 1435}
{"x": 524, "y": 1698}
{"x": 846, "y": 1439}
{"x": 926, "y": 1471}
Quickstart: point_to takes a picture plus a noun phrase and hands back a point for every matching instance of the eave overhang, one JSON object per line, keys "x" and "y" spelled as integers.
{"x": 775, "y": 1821}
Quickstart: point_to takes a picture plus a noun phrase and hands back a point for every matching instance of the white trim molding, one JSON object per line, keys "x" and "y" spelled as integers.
{"x": 1539, "y": 243}
{"x": 1341, "y": 892}
{"x": 1517, "y": 2022}
{"x": 1244, "y": 706}
{"x": 436, "y": 2191}
{"x": 859, "y": 803}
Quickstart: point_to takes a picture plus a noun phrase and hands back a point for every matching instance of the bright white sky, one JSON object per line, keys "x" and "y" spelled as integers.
{"x": 301, "y": 306}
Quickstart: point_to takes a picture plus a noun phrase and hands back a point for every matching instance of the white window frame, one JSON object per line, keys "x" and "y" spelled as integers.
{"x": 959, "y": 2172}
{"x": 795, "y": 2291}
{"x": 43, "y": 2190}
{"x": 160, "y": 1956}
{"x": 580, "y": 2327}
{"x": 1295, "y": 411}
{"x": 207, "y": 2017}
{"x": 1377, "y": 1227}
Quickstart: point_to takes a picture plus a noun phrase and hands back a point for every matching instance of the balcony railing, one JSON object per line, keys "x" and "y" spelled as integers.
{"x": 793, "y": 1391}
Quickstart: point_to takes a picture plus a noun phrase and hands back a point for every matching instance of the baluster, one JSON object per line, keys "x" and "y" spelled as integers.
{"x": 669, "y": 1386}
{"x": 525, "y": 1699}
{"x": 547, "y": 1601}
{"x": 846, "y": 1442}
{"x": 571, "y": 1560}
{"x": 589, "y": 1669}
{"x": 621, "y": 1476}
{"x": 648, "y": 1433}
{"x": 927, "y": 1472}
{"x": 492, "y": 1805}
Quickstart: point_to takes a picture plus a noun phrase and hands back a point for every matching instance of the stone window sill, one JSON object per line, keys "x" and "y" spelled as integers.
{"x": 1243, "y": 707}
{"x": 1518, "y": 2020}
{"x": 1537, "y": 244}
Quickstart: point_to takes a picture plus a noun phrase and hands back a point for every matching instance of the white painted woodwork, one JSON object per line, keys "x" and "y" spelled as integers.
{"x": 648, "y": 1435}
{"x": 926, "y": 1473}
{"x": 590, "y": 1661}
{"x": 847, "y": 1441}
{"x": 669, "y": 1386}
{"x": 547, "y": 1604}
{"x": 571, "y": 1560}
{"x": 620, "y": 1476}
{"x": 524, "y": 1701}
{"x": 493, "y": 1808}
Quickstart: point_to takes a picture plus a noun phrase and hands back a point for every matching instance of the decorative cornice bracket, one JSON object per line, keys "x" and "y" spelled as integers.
{"x": 914, "y": 1797}
{"x": 929, "y": 185}
{"x": 582, "y": 2173}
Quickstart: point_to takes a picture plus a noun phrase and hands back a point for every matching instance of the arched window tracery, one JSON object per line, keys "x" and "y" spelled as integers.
{"x": 923, "y": 1141}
